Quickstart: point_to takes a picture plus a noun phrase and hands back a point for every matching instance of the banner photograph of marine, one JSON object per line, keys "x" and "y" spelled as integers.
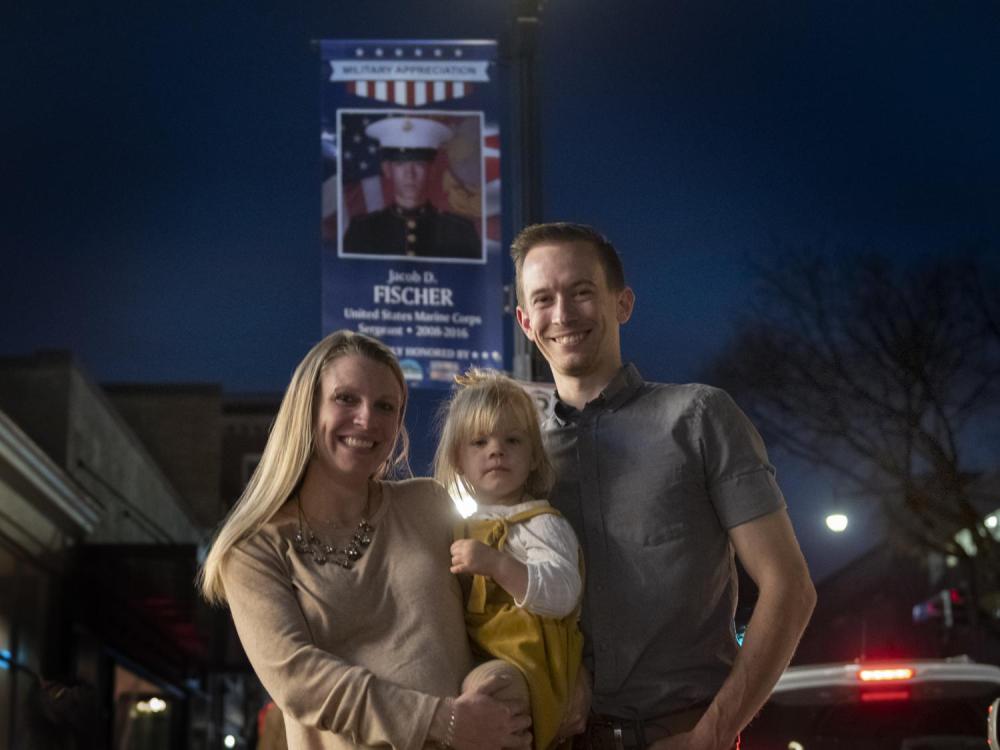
{"x": 411, "y": 225}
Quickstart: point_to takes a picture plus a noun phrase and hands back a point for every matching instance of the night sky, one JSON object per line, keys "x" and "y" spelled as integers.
{"x": 160, "y": 163}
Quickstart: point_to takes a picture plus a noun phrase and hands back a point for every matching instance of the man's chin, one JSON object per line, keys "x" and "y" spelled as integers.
{"x": 572, "y": 367}
{"x": 409, "y": 200}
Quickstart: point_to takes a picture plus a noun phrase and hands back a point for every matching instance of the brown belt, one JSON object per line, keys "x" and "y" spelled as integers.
{"x": 614, "y": 733}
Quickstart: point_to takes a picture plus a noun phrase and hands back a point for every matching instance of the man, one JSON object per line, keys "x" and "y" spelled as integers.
{"x": 662, "y": 484}
{"x": 411, "y": 225}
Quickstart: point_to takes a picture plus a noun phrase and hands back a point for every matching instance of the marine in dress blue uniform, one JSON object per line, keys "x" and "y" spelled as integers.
{"x": 411, "y": 225}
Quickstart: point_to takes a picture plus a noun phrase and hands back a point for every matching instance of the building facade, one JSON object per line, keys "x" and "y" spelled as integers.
{"x": 99, "y": 621}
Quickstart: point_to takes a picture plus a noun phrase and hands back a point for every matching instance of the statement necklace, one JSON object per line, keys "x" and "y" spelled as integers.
{"x": 307, "y": 542}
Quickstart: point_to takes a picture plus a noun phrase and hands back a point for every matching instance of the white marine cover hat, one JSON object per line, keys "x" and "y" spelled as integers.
{"x": 408, "y": 138}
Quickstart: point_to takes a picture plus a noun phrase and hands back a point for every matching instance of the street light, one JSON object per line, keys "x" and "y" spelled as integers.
{"x": 836, "y": 518}
{"x": 836, "y": 522}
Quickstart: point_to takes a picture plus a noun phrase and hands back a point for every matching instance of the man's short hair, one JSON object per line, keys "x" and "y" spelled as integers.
{"x": 559, "y": 232}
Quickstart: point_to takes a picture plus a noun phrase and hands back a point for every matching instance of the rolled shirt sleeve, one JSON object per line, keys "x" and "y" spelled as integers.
{"x": 740, "y": 480}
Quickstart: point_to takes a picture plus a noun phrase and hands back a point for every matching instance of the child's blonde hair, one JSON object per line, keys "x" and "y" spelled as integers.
{"x": 482, "y": 399}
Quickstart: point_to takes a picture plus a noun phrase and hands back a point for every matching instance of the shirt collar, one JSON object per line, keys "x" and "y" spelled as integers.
{"x": 626, "y": 382}
{"x": 506, "y": 511}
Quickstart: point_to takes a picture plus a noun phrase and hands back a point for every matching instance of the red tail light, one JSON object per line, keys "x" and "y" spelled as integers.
{"x": 885, "y": 695}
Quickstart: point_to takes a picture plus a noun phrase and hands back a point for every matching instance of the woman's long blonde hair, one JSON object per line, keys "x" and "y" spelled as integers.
{"x": 482, "y": 399}
{"x": 289, "y": 448}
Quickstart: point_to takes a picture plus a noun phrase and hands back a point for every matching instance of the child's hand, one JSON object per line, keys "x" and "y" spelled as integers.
{"x": 470, "y": 556}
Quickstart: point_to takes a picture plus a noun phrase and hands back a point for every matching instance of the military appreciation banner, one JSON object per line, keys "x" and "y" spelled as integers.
{"x": 411, "y": 201}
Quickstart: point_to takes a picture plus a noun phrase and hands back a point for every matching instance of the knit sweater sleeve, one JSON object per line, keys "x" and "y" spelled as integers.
{"x": 308, "y": 683}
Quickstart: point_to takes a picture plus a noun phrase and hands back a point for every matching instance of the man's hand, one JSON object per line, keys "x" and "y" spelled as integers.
{"x": 471, "y": 556}
{"x": 677, "y": 742}
{"x": 770, "y": 554}
{"x": 687, "y": 741}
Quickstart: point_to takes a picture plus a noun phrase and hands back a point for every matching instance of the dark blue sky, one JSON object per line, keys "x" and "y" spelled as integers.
{"x": 160, "y": 163}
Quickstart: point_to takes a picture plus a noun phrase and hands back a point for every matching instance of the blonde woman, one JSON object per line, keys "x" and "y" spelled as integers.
{"x": 338, "y": 579}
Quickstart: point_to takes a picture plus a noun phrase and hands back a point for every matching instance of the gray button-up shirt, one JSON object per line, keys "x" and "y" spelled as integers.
{"x": 651, "y": 476}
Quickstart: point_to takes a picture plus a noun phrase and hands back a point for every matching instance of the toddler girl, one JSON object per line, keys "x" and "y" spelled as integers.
{"x": 523, "y": 602}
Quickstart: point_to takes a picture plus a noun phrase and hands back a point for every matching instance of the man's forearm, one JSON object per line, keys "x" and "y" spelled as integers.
{"x": 778, "y": 621}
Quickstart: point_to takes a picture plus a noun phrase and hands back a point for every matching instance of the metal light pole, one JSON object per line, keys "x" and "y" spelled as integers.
{"x": 528, "y": 364}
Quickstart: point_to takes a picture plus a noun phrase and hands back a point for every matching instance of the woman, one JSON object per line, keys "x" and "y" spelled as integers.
{"x": 338, "y": 580}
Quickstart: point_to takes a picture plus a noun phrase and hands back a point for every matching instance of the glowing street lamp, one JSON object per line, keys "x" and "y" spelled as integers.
{"x": 836, "y": 522}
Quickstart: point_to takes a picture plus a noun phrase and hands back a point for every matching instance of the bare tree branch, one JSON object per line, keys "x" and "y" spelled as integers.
{"x": 879, "y": 375}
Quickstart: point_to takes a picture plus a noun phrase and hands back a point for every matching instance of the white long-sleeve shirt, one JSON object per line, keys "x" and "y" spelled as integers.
{"x": 548, "y": 547}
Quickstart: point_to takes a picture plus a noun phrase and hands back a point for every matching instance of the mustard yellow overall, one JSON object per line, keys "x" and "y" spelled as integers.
{"x": 546, "y": 650}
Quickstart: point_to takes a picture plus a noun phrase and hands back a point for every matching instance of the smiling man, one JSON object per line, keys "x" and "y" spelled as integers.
{"x": 662, "y": 484}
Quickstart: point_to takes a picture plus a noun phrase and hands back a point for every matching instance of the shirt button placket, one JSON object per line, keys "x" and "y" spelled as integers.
{"x": 601, "y": 614}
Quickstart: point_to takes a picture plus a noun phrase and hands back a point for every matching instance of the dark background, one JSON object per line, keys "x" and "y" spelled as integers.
{"x": 161, "y": 168}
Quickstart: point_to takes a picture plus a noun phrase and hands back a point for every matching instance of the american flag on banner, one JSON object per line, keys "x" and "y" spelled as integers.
{"x": 410, "y": 93}
{"x": 362, "y": 178}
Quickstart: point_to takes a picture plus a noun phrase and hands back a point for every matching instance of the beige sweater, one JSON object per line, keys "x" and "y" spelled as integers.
{"x": 361, "y": 657}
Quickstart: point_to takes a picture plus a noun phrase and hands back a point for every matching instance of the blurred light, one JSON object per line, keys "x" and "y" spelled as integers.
{"x": 992, "y": 521}
{"x": 885, "y": 695}
{"x": 463, "y": 500}
{"x": 965, "y": 540}
{"x": 230, "y": 741}
{"x": 142, "y": 707}
{"x": 885, "y": 675}
{"x": 796, "y": 745}
{"x": 951, "y": 561}
{"x": 929, "y": 610}
{"x": 157, "y": 704}
{"x": 836, "y": 522}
